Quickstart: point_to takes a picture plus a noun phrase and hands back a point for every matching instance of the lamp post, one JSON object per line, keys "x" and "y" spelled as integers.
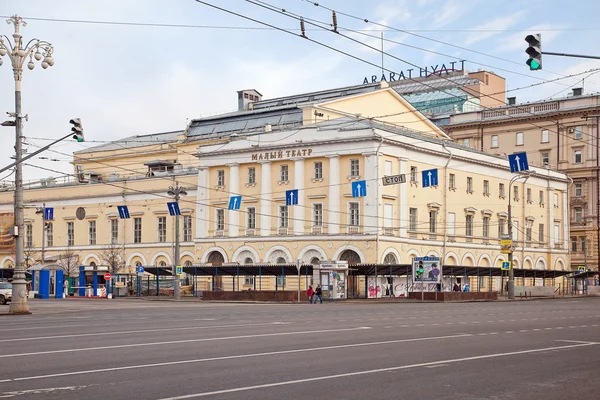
{"x": 511, "y": 272}
{"x": 175, "y": 192}
{"x": 18, "y": 52}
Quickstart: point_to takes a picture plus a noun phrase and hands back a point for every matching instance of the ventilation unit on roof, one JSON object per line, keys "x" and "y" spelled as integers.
{"x": 511, "y": 101}
{"x": 577, "y": 91}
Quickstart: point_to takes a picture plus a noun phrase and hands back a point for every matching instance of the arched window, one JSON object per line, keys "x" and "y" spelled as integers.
{"x": 280, "y": 260}
{"x": 248, "y": 261}
{"x": 351, "y": 256}
{"x": 138, "y": 263}
{"x": 216, "y": 258}
{"x": 390, "y": 259}
{"x": 188, "y": 263}
{"x": 162, "y": 264}
{"x": 92, "y": 264}
{"x": 314, "y": 261}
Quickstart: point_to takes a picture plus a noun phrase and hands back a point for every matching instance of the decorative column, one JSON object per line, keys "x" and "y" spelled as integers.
{"x": 265, "y": 198}
{"x": 335, "y": 197}
{"x": 565, "y": 221}
{"x": 550, "y": 234}
{"x": 234, "y": 189}
{"x": 202, "y": 205}
{"x": 299, "y": 222}
{"x": 403, "y": 200}
{"x": 371, "y": 200}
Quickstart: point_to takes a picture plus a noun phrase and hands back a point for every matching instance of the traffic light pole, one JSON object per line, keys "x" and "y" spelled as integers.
{"x": 548, "y": 53}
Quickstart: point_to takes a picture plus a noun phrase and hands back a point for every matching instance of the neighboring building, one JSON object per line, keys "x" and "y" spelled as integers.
{"x": 558, "y": 134}
{"x": 318, "y": 144}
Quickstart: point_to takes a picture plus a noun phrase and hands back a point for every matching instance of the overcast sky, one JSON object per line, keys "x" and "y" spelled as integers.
{"x": 124, "y": 80}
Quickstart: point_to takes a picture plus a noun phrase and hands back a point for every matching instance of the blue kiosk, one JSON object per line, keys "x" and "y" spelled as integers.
{"x": 91, "y": 277}
{"x": 47, "y": 280}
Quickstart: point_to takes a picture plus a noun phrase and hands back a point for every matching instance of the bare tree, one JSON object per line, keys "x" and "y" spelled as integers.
{"x": 31, "y": 256}
{"x": 69, "y": 261}
{"x": 111, "y": 255}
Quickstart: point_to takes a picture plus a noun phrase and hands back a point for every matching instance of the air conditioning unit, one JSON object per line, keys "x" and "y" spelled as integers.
{"x": 353, "y": 230}
{"x": 282, "y": 231}
{"x": 219, "y": 233}
{"x": 317, "y": 230}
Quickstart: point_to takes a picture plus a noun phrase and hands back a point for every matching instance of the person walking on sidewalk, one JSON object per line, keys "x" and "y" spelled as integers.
{"x": 310, "y": 293}
{"x": 319, "y": 294}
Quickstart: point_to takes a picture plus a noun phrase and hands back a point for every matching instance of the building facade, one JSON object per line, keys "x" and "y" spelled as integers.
{"x": 559, "y": 134}
{"x": 319, "y": 150}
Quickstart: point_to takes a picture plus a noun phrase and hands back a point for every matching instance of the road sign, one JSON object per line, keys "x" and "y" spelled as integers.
{"x": 140, "y": 269}
{"x": 291, "y": 197}
{"x": 48, "y": 214}
{"x": 174, "y": 208}
{"x": 107, "y": 277}
{"x": 178, "y": 270}
{"x": 80, "y": 213}
{"x": 506, "y": 246}
{"x": 393, "y": 180}
{"x": 518, "y": 162}
{"x": 430, "y": 177}
{"x": 359, "y": 189}
{"x": 123, "y": 212}
{"x": 506, "y": 266}
{"x": 235, "y": 202}
{"x": 581, "y": 269}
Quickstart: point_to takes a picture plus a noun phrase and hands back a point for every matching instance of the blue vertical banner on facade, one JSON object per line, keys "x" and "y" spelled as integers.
{"x": 359, "y": 189}
{"x": 291, "y": 197}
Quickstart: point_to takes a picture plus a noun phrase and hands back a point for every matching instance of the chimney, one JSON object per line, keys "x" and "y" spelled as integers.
{"x": 246, "y": 97}
{"x": 511, "y": 101}
{"x": 577, "y": 91}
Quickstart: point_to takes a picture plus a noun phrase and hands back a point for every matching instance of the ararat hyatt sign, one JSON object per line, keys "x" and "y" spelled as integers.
{"x": 276, "y": 155}
{"x": 423, "y": 72}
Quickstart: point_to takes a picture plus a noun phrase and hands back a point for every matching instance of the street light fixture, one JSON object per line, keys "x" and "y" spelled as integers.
{"x": 176, "y": 192}
{"x": 511, "y": 273}
{"x": 18, "y": 52}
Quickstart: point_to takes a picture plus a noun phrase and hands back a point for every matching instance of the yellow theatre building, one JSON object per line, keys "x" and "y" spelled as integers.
{"x": 297, "y": 162}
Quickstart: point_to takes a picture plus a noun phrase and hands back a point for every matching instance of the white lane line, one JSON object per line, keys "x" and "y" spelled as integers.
{"x": 200, "y": 360}
{"x": 374, "y": 371}
{"x": 120, "y": 346}
{"x": 187, "y": 328}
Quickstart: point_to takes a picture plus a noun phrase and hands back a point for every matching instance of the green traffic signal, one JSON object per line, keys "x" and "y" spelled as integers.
{"x": 533, "y": 64}
{"x": 79, "y": 138}
{"x": 534, "y": 50}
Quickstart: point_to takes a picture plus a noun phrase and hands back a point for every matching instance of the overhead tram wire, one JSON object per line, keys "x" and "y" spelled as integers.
{"x": 358, "y": 58}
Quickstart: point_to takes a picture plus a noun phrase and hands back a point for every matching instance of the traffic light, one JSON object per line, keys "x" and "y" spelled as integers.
{"x": 77, "y": 129}
{"x": 534, "y": 51}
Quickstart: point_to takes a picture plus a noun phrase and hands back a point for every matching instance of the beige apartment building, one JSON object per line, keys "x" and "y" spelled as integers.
{"x": 558, "y": 134}
{"x": 318, "y": 144}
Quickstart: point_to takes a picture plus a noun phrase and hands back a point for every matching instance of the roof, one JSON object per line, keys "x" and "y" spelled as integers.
{"x": 135, "y": 141}
{"x": 433, "y": 85}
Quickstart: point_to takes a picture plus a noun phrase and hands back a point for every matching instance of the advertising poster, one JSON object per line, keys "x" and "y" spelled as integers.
{"x": 7, "y": 242}
{"x": 430, "y": 267}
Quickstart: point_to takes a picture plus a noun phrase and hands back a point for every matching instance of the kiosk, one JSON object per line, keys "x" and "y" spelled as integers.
{"x": 332, "y": 276}
{"x": 47, "y": 280}
{"x": 91, "y": 280}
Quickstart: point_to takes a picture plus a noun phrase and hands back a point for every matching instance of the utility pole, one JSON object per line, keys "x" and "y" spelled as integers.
{"x": 18, "y": 53}
{"x": 176, "y": 192}
{"x": 511, "y": 272}
{"x": 42, "y": 211}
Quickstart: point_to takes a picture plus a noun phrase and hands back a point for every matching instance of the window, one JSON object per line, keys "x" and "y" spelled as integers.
{"x": 545, "y": 138}
{"x": 92, "y": 232}
{"x": 162, "y": 229}
{"x": 251, "y": 176}
{"x": 541, "y": 197}
{"x": 469, "y": 225}
{"x": 251, "y": 212}
{"x": 70, "y": 234}
{"x": 413, "y": 219}
{"x": 528, "y": 230}
{"x": 529, "y": 198}
{"x": 541, "y": 233}
{"x": 281, "y": 281}
{"x": 28, "y": 235}
{"x": 221, "y": 178}
{"x": 494, "y": 141}
{"x": 486, "y": 227}
{"x": 578, "y": 189}
{"x": 466, "y": 142}
{"x": 318, "y": 170}
{"x": 388, "y": 215}
{"x": 515, "y": 193}
{"x": 579, "y": 132}
{"x": 354, "y": 214}
{"x": 469, "y": 185}
{"x": 114, "y": 231}
{"x": 451, "y": 223}
{"x": 486, "y": 188}
{"x": 249, "y": 280}
{"x": 545, "y": 159}
{"x": 578, "y": 157}
{"x": 574, "y": 242}
{"x": 413, "y": 174}
{"x": 283, "y": 216}
{"x": 318, "y": 214}
{"x": 501, "y": 193}
{"x": 578, "y": 215}
{"x": 285, "y": 173}
{"x": 354, "y": 168}
{"x": 556, "y": 234}
{"x": 515, "y": 230}
{"x": 556, "y": 200}
{"x": 187, "y": 228}
{"x": 137, "y": 230}
{"x": 432, "y": 221}
{"x": 220, "y": 220}
{"x": 501, "y": 227}
{"x": 452, "y": 182}
{"x": 49, "y": 234}
{"x": 519, "y": 138}
{"x": 388, "y": 168}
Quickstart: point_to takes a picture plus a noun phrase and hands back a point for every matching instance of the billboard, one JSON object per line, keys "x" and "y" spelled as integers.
{"x": 426, "y": 269}
{"x": 7, "y": 241}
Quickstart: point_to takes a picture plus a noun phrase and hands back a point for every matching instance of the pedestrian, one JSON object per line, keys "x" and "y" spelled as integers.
{"x": 456, "y": 288}
{"x": 467, "y": 288}
{"x": 310, "y": 293}
{"x": 319, "y": 294}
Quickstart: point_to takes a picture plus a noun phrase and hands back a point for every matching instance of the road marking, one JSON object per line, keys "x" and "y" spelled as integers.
{"x": 239, "y": 356}
{"x": 374, "y": 371}
{"x": 120, "y": 346}
{"x": 187, "y": 328}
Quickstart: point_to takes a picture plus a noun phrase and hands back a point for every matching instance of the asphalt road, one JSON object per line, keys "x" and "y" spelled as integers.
{"x": 129, "y": 349}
